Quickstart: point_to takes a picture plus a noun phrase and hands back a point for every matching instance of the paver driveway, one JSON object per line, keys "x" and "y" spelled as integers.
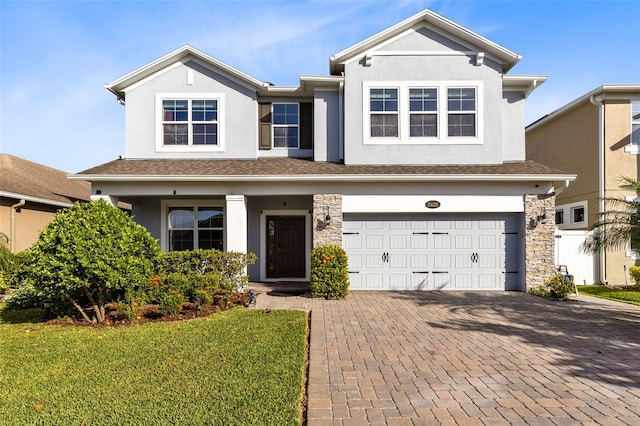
{"x": 470, "y": 358}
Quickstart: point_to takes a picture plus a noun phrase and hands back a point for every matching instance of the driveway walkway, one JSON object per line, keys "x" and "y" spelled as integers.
{"x": 469, "y": 358}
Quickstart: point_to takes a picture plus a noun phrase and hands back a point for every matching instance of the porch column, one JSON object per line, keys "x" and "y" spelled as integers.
{"x": 540, "y": 221}
{"x": 327, "y": 219}
{"x": 110, "y": 199}
{"x": 236, "y": 223}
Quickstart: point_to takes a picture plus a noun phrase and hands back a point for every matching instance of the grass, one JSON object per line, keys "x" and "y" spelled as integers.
{"x": 618, "y": 294}
{"x": 234, "y": 368}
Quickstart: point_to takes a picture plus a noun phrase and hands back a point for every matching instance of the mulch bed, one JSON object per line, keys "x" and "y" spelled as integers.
{"x": 150, "y": 313}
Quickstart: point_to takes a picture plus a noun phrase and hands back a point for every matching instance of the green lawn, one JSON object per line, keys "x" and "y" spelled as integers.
{"x": 237, "y": 367}
{"x": 604, "y": 292}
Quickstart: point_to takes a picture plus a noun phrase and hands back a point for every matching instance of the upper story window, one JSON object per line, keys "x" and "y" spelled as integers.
{"x": 286, "y": 125}
{"x": 461, "y": 110}
{"x": 635, "y": 122}
{"x": 383, "y": 105}
{"x": 190, "y": 121}
{"x": 422, "y": 112}
{"x": 423, "y": 115}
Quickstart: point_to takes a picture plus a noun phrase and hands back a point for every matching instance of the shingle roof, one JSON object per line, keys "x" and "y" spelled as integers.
{"x": 293, "y": 167}
{"x": 26, "y": 178}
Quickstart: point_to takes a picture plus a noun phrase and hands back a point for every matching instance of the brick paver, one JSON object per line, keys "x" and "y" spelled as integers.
{"x": 469, "y": 358}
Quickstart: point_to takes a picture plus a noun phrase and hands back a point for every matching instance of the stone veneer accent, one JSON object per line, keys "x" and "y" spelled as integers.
{"x": 327, "y": 232}
{"x": 539, "y": 239}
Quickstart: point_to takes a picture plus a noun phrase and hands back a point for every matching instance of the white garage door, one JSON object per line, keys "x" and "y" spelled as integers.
{"x": 452, "y": 252}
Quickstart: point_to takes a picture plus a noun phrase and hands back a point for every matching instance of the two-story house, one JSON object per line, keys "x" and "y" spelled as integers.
{"x": 597, "y": 137}
{"x": 410, "y": 154}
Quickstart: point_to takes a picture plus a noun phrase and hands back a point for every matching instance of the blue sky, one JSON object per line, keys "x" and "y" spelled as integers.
{"x": 56, "y": 56}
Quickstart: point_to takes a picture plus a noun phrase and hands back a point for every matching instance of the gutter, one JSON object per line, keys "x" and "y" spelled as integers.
{"x": 596, "y": 100}
{"x": 14, "y": 209}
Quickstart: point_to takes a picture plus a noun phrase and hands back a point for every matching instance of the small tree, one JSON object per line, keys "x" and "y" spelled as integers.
{"x": 618, "y": 226}
{"x": 8, "y": 263}
{"x": 90, "y": 255}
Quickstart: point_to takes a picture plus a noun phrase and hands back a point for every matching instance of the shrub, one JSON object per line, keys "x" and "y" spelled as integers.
{"x": 634, "y": 272}
{"x": 558, "y": 286}
{"x": 90, "y": 255}
{"x": 227, "y": 267}
{"x": 329, "y": 272}
{"x": 25, "y": 297}
{"x": 171, "y": 303}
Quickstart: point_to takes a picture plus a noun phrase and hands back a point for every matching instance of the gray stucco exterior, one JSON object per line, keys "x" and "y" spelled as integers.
{"x": 266, "y": 200}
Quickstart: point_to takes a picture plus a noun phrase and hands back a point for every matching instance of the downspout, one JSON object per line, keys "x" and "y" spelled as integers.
{"x": 12, "y": 225}
{"x": 341, "y": 121}
{"x": 601, "y": 256}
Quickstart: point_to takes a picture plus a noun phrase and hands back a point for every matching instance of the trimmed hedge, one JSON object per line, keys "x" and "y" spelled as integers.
{"x": 329, "y": 272}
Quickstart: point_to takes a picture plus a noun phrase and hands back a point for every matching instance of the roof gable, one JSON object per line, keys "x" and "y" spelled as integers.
{"x": 434, "y": 23}
{"x": 181, "y": 55}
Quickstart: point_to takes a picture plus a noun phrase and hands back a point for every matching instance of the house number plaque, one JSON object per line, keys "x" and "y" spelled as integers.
{"x": 432, "y": 204}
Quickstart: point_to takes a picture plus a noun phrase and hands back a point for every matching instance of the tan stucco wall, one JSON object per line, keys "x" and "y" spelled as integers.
{"x": 618, "y": 163}
{"x": 29, "y": 222}
{"x": 570, "y": 144}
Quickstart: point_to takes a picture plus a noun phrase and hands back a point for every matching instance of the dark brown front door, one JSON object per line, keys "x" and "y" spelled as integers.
{"x": 285, "y": 247}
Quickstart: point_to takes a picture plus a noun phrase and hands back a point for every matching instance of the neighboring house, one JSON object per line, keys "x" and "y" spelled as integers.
{"x": 597, "y": 137}
{"x": 410, "y": 154}
{"x": 30, "y": 196}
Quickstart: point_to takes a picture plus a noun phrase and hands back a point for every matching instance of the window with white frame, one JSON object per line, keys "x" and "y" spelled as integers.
{"x": 383, "y": 109}
{"x": 189, "y": 121}
{"x": 286, "y": 130}
{"x": 461, "y": 111}
{"x": 635, "y": 122}
{"x": 572, "y": 215}
{"x": 422, "y": 112}
{"x": 191, "y": 227}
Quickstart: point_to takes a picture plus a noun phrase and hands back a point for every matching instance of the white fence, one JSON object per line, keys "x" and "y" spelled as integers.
{"x": 581, "y": 265}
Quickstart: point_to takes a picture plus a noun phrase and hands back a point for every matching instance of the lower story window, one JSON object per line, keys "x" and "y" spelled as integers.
{"x": 195, "y": 227}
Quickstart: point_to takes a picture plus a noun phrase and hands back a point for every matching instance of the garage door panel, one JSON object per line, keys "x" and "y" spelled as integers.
{"x": 398, "y": 242}
{"x": 355, "y": 281}
{"x": 419, "y": 261}
{"x": 374, "y": 242}
{"x": 398, "y": 260}
{"x": 463, "y": 242}
{"x": 355, "y": 261}
{"x": 462, "y": 281}
{"x": 352, "y": 241}
{"x": 373, "y": 261}
{"x": 441, "y": 281}
{"x": 373, "y": 280}
{"x": 442, "y": 261}
{"x": 463, "y": 261}
{"x": 398, "y": 281}
{"x": 419, "y": 281}
{"x": 441, "y": 241}
{"x": 490, "y": 281}
{"x": 419, "y": 241}
{"x": 489, "y": 242}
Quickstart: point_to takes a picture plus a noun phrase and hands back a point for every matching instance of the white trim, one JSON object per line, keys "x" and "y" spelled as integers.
{"x": 164, "y": 210}
{"x": 567, "y": 210}
{"x": 404, "y": 113}
{"x": 159, "y": 132}
{"x": 417, "y": 204}
{"x": 36, "y": 199}
{"x": 263, "y": 243}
